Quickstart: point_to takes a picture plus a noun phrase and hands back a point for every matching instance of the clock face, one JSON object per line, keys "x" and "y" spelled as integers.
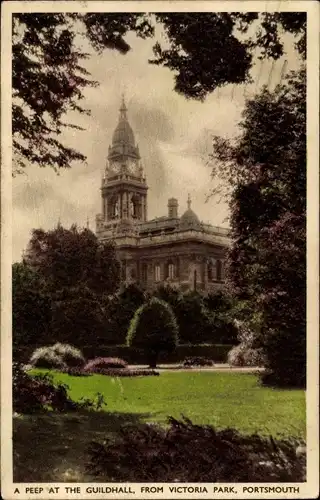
{"x": 131, "y": 166}
{"x": 116, "y": 166}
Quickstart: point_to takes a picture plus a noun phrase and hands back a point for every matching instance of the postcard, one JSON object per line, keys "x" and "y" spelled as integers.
{"x": 160, "y": 250}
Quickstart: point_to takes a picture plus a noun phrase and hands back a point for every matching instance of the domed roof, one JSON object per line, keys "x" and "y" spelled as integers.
{"x": 123, "y": 133}
{"x": 189, "y": 218}
{"x": 123, "y": 142}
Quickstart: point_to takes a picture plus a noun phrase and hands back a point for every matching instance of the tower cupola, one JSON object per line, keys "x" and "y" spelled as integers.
{"x": 123, "y": 141}
{"x": 189, "y": 220}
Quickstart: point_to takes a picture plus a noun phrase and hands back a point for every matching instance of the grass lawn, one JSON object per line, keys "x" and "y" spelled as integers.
{"x": 215, "y": 398}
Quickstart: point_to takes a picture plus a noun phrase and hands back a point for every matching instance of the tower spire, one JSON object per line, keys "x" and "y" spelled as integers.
{"x": 189, "y": 201}
{"x": 123, "y": 107}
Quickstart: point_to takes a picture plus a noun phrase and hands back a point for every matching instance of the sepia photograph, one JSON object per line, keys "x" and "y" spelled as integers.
{"x": 159, "y": 261}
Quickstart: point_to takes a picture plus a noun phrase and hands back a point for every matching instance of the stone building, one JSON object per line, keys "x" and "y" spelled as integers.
{"x": 180, "y": 251}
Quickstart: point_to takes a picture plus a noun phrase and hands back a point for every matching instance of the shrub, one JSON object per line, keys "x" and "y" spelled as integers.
{"x": 125, "y": 372}
{"x": 77, "y": 372}
{"x": 46, "y": 357}
{"x": 216, "y": 352}
{"x": 111, "y": 372}
{"x": 242, "y": 355}
{"x": 69, "y": 354}
{"x": 60, "y": 356}
{"x": 37, "y": 393}
{"x": 97, "y": 364}
{"x": 154, "y": 329}
{"x": 194, "y": 453}
{"x": 197, "y": 361}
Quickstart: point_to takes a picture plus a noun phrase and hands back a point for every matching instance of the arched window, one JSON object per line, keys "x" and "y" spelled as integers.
{"x": 135, "y": 206}
{"x": 157, "y": 275}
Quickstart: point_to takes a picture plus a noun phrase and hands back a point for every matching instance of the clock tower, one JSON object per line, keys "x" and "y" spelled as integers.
{"x": 124, "y": 188}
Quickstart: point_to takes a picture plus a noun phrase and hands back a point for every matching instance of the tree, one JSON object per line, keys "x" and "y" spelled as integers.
{"x": 78, "y": 317}
{"x": 209, "y": 50}
{"x": 48, "y": 79}
{"x": 205, "y": 51}
{"x": 201, "y": 318}
{"x": 120, "y": 309}
{"x": 153, "y": 328}
{"x": 194, "y": 323}
{"x": 67, "y": 258}
{"x": 31, "y": 306}
{"x": 220, "y": 307}
{"x": 267, "y": 260}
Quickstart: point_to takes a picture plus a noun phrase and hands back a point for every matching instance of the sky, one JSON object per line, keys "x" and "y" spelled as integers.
{"x": 173, "y": 133}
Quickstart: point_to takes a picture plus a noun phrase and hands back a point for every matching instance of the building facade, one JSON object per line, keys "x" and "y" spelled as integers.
{"x": 180, "y": 251}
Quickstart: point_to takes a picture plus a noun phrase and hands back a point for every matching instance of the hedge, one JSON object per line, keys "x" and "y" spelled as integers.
{"x": 216, "y": 352}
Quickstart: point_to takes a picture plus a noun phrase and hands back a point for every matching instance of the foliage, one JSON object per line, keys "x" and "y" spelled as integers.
{"x": 60, "y": 356}
{"x": 76, "y": 274}
{"x": 198, "y": 361}
{"x": 47, "y": 81}
{"x": 154, "y": 329}
{"x": 205, "y": 50}
{"x": 69, "y": 354}
{"x": 266, "y": 167}
{"x": 120, "y": 309}
{"x": 31, "y": 306}
{"x": 46, "y": 357}
{"x": 201, "y": 318}
{"x": 134, "y": 356}
{"x": 95, "y": 404}
{"x": 65, "y": 279}
{"x": 49, "y": 75}
{"x": 68, "y": 258}
{"x": 109, "y": 30}
{"x": 38, "y": 394}
{"x": 77, "y": 316}
{"x": 194, "y": 322}
{"x": 242, "y": 355}
{"x": 94, "y": 365}
{"x": 122, "y": 372}
{"x": 193, "y": 453}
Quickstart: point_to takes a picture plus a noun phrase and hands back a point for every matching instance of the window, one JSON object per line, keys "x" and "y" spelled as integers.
{"x": 219, "y": 270}
{"x": 157, "y": 272}
{"x": 144, "y": 272}
{"x": 212, "y": 270}
{"x": 171, "y": 271}
{"x": 123, "y": 271}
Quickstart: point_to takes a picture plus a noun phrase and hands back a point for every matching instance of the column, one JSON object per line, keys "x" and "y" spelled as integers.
{"x": 145, "y": 208}
{"x": 128, "y": 205}
{"x": 124, "y": 205}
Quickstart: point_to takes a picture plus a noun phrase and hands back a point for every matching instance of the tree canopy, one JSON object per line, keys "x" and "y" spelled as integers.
{"x": 68, "y": 258}
{"x": 153, "y": 328}
{"x": 266, "y": 169}
{"x": 203, "y": 50}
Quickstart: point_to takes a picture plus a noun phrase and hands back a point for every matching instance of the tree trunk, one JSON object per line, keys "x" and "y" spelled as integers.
{"x": 153, "y": 360}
